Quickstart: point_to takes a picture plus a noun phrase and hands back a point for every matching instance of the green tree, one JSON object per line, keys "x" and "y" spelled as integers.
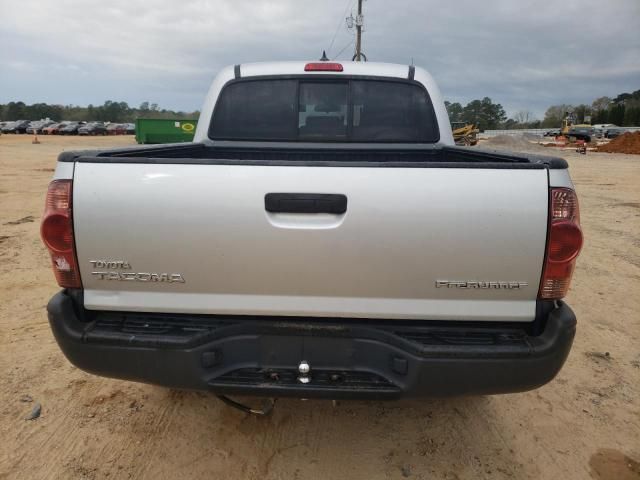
{"x": 510, "y": 124}
{"x": 16, "y": 111}
{"x": 454, "y": 110}
{"x": 580, "y": 112}
{"x": 630, "y": 117}
{"x": 623, "y": 97}
{"x": 485, "y": 114}
{"x": 493, "y": 112}
{"x": 114, "y": 111}
{"x": 616, "y": 114}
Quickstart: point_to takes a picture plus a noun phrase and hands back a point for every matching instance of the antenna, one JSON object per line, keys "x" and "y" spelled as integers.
{"x": 324, "y": 57}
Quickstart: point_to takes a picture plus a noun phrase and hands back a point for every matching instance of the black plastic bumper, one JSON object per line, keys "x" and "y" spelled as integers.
{"x": 348, "y": 358}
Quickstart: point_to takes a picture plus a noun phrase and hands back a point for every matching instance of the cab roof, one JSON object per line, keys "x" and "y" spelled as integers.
{"x": 392, "y": 70}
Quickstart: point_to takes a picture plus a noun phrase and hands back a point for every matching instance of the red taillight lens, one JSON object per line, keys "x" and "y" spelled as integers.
{"x": 565, "y": 242}
{"x": 323, "y": 67}
{"x": 57, "y": 234}
{"x": 563, "y": 245}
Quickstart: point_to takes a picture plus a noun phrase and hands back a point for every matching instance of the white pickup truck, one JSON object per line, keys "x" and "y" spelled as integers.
{"x": 321, "y": 237}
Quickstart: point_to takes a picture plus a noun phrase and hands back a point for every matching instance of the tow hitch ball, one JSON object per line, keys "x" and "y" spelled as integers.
{"x": 304, "y": 369}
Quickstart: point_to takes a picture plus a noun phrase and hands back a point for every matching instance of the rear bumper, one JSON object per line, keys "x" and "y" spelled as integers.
{"x": 348, "y": 358}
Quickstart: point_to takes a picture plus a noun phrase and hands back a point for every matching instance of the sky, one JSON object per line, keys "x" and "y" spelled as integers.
{"x": 524, "y": 54}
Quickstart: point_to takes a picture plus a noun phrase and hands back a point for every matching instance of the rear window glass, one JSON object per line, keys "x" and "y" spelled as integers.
{"x": 262, "y": 110}
{"x": 391, "y": 112}
{"x": 308, "y": 110}
{"x": 322, "y": 111}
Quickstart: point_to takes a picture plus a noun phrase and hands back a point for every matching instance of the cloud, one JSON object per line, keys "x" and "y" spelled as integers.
{"x": 526, "y": 54}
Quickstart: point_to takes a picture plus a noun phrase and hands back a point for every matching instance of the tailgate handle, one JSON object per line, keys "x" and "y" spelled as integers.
{"x": 335, "y": 203}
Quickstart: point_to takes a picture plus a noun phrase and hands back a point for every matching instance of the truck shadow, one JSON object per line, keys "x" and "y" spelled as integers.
{"x": 301, "y": 439}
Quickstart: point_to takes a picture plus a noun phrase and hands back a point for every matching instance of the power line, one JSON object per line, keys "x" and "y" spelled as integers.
{"x": 349, "y": 5}
{"x": 344, "y": 48}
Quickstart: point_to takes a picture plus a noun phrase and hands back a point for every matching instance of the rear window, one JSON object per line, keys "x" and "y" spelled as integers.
{"x": 256, "y": 110}
{"x": 322, "y": 111}
{"x": 312, "y": 110}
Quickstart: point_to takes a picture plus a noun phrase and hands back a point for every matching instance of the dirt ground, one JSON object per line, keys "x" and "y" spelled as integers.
{"x": 585, "y": 424}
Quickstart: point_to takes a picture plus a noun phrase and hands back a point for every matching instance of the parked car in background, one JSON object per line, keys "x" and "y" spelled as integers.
{"x": 36, "y": 127}
{"x": 56, "y": 130}
{"x": 46, "y": 124}
{"x": 53, "y": 128}
{"x": 552, "y": 133}
{"x": 19, "y": 126}
{"x": 93, "y": 128}
{"x": 614, "y": 132}
{"x": 116, "y": 129}
{"x": 130, "y": 129}
{"x": 582, "y": 133}
{"x": 6, "y": 127}
{"x": 71, "y": 128}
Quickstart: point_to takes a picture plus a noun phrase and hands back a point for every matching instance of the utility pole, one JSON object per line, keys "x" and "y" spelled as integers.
{"x": 359, "y": 33}
{"x": 359, "y": 56}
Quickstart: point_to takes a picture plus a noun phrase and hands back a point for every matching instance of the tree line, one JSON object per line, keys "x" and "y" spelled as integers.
{"x": 484, "y": 114}
{"x": 623, "y": 110}
{"x": 110, "y": 111}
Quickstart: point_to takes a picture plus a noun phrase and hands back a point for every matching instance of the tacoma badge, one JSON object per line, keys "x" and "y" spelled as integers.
{"x": 108, "y": 272}
{"x": 483, "y": 285}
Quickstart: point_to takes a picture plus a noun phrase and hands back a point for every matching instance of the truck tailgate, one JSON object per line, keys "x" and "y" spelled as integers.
{"x": 413, "y": 243}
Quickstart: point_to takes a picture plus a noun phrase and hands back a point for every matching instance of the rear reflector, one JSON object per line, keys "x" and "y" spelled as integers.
{"x": 563, "y": 245}
{"x": 57, "y": 234}
{"x": 323, "y": 67}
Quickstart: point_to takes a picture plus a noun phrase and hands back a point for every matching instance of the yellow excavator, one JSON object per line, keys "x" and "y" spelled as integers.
{"x": 464, "y": 133}
{"x": 567, "y": 123}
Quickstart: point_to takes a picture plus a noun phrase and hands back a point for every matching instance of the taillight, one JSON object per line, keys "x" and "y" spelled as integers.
{"x": 323, "y": 67}
{"x": 57, "y": 233}
{"x": 563, "y": 245}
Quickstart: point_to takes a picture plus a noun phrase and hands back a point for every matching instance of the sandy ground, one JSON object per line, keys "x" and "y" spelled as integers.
{"x": 585, "y": 424}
